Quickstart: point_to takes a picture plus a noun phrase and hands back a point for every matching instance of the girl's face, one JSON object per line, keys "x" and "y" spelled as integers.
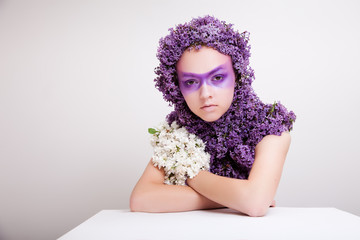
{"x": 207, "y": 82}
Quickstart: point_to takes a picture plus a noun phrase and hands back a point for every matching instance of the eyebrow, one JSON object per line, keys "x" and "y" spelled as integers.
{"x": 188, "y": 74}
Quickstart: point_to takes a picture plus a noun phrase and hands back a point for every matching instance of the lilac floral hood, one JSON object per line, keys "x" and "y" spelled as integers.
{"x": 231, "y": 140}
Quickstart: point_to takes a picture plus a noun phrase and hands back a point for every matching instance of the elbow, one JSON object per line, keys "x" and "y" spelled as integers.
{"x": 135, "y": 203}
{"x": 257, "y": 206}
{"x": 141, "y": 202}
{"x": 252, "y": 209}
{"x": 256, "y": 210}
{"x": 253, "y": 206}
{"x": 253, "y": 202}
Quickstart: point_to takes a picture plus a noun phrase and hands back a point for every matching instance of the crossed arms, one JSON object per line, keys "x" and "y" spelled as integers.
{"x": 252, "y": 196}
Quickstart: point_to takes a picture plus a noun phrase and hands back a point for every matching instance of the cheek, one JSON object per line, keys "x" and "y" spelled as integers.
{"x": 190, "y": 99}
{"x": 192, "y": 102}
{"x": 227, "y": 96}
{"x": 186, "y": 91}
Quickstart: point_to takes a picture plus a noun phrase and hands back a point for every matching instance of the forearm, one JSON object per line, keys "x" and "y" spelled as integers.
{"x": 168, "y": 198}
{"x": 242, "y": 195}
{"x": 151, "y": 195}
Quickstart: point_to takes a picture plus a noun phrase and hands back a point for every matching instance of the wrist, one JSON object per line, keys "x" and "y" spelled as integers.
{"x": 192, "y": 181}
{"x": 189, "y": 181}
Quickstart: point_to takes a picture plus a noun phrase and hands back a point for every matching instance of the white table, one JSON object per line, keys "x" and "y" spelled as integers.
{"x": 279, "y": 223}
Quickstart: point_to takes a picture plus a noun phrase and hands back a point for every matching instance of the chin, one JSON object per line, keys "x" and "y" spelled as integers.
{"x": 210, "y": 118}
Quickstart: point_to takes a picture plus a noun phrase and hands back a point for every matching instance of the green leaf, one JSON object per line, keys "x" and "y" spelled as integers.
{"x": 152, "y": 131}
{"x": 273, "y": 107}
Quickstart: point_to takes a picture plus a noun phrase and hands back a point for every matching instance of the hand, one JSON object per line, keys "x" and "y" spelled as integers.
{"x": 273, "y": 203}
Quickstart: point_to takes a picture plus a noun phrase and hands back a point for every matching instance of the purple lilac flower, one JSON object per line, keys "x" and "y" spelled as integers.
{"x": 231, "y": 140}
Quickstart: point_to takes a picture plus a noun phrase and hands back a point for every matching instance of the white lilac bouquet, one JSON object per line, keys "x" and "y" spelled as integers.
{"x": 181, "y": 154}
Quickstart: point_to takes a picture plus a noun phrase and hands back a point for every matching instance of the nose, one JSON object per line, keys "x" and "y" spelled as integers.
{"x": 206, "y": 91}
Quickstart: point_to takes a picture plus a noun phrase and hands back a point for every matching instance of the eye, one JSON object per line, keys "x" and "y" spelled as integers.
{"x": 218, "y": 78}
{"x": 190, "y": 82}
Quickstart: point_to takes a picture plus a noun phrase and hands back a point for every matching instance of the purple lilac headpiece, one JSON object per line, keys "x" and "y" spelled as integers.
{"x": 231, "y": 140}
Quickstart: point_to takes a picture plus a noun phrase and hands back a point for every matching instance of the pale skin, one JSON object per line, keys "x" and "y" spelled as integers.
{"x": 251, "y": 196}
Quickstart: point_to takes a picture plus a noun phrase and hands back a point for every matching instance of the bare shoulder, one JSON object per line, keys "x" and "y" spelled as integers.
{"x": 273, "y": 149}
{"x": 273, "y": 141}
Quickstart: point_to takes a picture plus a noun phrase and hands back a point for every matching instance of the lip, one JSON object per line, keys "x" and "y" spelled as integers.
{"x": 208, "y": 107}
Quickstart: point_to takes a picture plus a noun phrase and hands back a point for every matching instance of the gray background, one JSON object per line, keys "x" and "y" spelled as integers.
{"x": 77, "y": 97}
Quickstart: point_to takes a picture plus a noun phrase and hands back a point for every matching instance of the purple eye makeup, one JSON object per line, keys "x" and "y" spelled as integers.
{"x": 219, "y": 77}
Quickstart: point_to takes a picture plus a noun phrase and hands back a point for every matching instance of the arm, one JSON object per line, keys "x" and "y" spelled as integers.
{"x": 152, "y": 195}
{"x": 254, "y": 195}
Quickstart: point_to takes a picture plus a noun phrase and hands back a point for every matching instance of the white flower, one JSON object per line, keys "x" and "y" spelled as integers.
{"x": 181, "y": 154}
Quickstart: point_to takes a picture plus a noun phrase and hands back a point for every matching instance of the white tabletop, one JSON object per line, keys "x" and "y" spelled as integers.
{"x": 279, "y": 223}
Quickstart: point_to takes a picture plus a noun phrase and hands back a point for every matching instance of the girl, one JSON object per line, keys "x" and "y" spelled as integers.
{"x": 204, "y": 73}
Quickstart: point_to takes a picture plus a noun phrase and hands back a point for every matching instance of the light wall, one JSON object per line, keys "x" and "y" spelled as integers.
{"x": 77, "y": 96}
